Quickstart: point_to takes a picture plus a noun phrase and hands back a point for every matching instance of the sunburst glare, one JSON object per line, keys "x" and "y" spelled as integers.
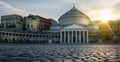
{"x": 106, "y": 16}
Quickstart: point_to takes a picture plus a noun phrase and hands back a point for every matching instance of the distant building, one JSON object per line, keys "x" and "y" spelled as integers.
{"x": 108, "y": 32}
{"x": 9, "y": 21}
{"x": 34, "y": 23}
{"x": 21, "y": 25}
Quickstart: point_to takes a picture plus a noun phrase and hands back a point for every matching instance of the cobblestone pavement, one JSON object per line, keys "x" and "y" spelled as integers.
{"x": 59, "y": 53}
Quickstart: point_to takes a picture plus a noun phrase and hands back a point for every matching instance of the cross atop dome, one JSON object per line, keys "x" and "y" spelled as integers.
{"x": 73, "y": 8}
{"x": 74, "y": 5}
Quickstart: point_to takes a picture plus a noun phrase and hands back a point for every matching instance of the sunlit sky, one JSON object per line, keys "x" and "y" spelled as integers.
{"x": 95, "y": 9}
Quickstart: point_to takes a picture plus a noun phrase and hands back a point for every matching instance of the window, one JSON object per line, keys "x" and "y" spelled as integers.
{"x": 31, "y": 26}
{"x": 28, "y": 26}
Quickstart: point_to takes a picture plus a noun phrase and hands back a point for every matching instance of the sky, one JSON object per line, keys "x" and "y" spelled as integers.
{"x": 55, "y": 8}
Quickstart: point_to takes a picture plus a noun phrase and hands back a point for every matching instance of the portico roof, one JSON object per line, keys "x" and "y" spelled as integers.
{"x": 74, "y": 26}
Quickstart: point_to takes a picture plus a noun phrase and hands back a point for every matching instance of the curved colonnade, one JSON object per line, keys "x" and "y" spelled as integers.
{"x": 16, "y": 37}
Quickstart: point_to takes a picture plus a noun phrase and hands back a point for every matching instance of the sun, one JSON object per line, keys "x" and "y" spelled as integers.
{"x": 106, "y": 16}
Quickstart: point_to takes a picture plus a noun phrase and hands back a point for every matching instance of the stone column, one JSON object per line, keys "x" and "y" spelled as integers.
{"x": 87, "y": 37}
{"x": 61, "y": 36}
{"x": 80, "y": 36}
{"x": 64, "y": 36}
{"x": 76, "y": 36}
{"x": 68, "y": 36}
{"x": 83, "y": 36}
{"x": 71, "y": 36}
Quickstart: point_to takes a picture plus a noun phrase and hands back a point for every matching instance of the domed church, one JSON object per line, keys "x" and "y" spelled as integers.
{"x": 74, "y": 27}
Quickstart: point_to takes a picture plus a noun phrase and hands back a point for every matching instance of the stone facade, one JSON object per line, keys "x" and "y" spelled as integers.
{"x": 9, "y": 21}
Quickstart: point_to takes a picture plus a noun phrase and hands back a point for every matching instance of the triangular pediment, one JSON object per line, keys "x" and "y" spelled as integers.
{"x": 74, "y": 26}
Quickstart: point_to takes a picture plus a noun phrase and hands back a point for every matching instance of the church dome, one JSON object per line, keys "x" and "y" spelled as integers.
{"x": 74, "y": 16}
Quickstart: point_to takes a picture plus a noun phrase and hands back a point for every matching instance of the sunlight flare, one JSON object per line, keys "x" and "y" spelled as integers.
{"x": 106, "y": 16}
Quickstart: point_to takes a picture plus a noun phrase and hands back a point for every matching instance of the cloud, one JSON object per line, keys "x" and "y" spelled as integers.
{"x": 6, "y": 9}
{"x": 56, "y": 8}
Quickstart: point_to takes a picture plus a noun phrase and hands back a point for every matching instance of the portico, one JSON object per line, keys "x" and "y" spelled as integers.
{"x": 74, "y": 34}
